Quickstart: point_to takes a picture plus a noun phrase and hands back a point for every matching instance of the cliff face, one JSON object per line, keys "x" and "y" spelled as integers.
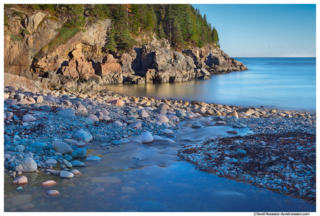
{"x": 38, "y": 47}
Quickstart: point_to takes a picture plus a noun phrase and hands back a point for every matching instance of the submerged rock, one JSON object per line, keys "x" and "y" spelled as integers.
{"x": 48, "y": 183}
{"x": 20, "y": 180}
{"x": 65, "y": 174}
{"x": 53, "y": 193}
{"x": 93, "y": 158}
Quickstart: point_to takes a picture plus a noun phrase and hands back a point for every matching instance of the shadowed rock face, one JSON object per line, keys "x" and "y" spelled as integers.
{"x": 214, "y": 60}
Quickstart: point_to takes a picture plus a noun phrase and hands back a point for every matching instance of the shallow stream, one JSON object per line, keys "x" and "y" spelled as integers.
{"x": 160, "y": 181}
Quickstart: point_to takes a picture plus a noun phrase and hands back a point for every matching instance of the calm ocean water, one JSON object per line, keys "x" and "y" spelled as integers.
{"x": 283, "y": 83}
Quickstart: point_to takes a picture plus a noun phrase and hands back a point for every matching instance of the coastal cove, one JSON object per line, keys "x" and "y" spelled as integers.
{"x": 282, "y": 83}
{"x": 138, "y": 108}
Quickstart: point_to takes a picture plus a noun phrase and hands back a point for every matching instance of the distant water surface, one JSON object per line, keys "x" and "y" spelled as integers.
{"x": 283, "y": 83}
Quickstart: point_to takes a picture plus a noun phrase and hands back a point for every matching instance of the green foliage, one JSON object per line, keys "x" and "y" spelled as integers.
{"x": 25, "y": 31}
{"x": 100, "y": 11}
{"x": 47, "y": 7}
{"x": 6, "y": 20}
{"x": 64, "y": 35}
{"x": 161, "y": 32}
{"x": 177, "y": 34}
{"x": 77, "y": 19}
{"x": 121, "y": 30}
{"x": 111, "y": 44}
{"x": 15, "y": 37}
{"x": 214, "y": 35}
{"x": 181, "y": 24}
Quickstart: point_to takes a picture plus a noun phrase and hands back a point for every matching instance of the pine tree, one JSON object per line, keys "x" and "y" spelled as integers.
{"x": 111, "y": 44}
{"x": 168, "y": 20}
{"x": 176, "y": 34}
{"x": 188, "y": 24}
{"x": 215, "y": 36}
{"x": 122, "y": 36}
{"x": 150, "y": 19}
{"x": 160, "y": 31}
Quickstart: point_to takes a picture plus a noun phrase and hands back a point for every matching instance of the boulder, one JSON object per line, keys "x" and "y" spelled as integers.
{"x": 83, "y": 135}
{"x": 203, "y": 74}
{"x": 247, "y": 111}
{"x": 27, "y": 165}
{"x": 146, "y": 137}
{"x": 28, "y": 118}
{"x": 162, "y": 118}
{"x": 20, "y": 180}
{"x": 65, "y": 174}
{"x": 62, "y": 147}
{"x": 78, "y": 153}
{"x": 93, "y": 118}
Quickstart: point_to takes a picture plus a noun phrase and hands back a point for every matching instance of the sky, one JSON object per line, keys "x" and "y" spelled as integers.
{"x": 265, "y": 30}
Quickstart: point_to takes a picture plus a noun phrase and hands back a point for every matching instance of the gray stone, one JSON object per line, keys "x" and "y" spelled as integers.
{"x": 62, "y": 147}
{"x": 83, "y": 135}
{"x": 66, "y": 113}
{"x": 65, "y": 174}
{"x": 78, "y": 153}
{"x": 77, "y": 163}
{"x": 27, "y": 165}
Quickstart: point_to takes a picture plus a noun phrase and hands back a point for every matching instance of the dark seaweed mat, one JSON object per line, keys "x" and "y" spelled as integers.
{"x": 282, "y": 145}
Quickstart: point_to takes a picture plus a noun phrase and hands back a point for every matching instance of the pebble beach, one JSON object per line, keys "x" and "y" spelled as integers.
{"x": 52, "y": 132}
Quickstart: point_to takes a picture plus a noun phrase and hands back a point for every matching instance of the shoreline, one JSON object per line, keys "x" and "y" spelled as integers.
{"x": 277, "y": 170}
{"x": 230, "y": 105}
{"x": 48, "y": 132}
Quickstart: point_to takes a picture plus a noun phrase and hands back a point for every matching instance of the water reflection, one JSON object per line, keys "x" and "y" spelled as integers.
{"x": 286, "y": 83}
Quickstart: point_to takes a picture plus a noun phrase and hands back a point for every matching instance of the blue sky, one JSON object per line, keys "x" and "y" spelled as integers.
{"x": 265, "y": 30}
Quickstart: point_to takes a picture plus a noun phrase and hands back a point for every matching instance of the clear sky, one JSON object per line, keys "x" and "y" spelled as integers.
{"x": 265, "y": 30}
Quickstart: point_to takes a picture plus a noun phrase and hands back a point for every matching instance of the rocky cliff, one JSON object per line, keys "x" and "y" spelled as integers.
{"x": 38, "y": 47}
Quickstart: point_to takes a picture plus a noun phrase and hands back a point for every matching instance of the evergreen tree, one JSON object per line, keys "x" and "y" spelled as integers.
{"x": 188, "y": 25}
{"x": 176, "y": 34}
{"x": 111, "y": 44}
{"x": 150, "y": 19}
{"x": 160, "y": 31}
{"x": 122, "y": 36}
{"x": 168, "y": 20}
{"x": 135, "y": 19}
{"x": 215, "y": 36}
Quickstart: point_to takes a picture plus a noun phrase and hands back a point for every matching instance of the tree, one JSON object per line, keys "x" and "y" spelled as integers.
{"x": 160, "y": 31}
{"x": 111, "y": 44}
{"x": 150, "y": 20}
{"x": 214, "y": 35}
{"x": 188, "y": 26}
{"x": 168, "y": 20}
{"x": 122, "y": 37}
{"x": 76, "y": 11}
{"x": 177, "y": 34}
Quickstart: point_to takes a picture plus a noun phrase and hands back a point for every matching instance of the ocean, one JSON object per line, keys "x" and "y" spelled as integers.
{"x": 282, "y": 83}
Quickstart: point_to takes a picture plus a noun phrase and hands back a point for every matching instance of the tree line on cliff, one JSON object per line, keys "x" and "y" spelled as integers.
{"x": 181, "y": 24}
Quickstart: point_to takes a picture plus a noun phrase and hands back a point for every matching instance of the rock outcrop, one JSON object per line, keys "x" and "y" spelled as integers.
{"x": 214, "y": 60}
{"x": 33, "y": 49}
{"x": 22, "y": 82}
